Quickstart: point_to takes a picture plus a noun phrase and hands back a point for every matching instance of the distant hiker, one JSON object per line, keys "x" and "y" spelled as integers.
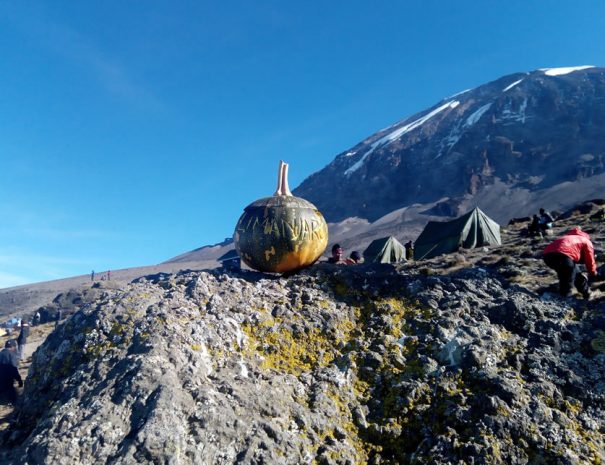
{"x": 564, "y": 254}
{"x": 36, "y": 320}
{"x": 233, "y": 264}
{"x": 337, "y": 254}
{"x": 409, "y": 250}
{"x": 545, "y": 221}
{"x": 534, "y": 227}
{"x": 355, "y": 258}
{"x": 92, "y": 275}
{"x": 9, "y": 355}
{"x": 22, "y": 338}
{"x": 57, "y": 318}
{"x": 9, "y": 372}
{"x": 230, "y": 261}
{"x": 108, "y": 275}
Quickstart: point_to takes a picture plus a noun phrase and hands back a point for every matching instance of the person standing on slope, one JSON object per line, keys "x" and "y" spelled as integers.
{"x": 545, "y": 221}
{"x": 22, "y": 339}
{"x": 9, "y": 372}
{"x": 409, "y": 250}
{"x": 564, "y": 254}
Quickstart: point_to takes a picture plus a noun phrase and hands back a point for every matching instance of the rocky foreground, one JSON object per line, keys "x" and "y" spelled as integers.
{"x": 336, "y": 365}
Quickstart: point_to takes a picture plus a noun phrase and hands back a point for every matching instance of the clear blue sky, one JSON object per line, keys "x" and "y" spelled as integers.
{"x": 131, "y": 132}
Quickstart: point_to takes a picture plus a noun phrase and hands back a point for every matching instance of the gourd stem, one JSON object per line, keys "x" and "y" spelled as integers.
{"x": 282, "y": 180}
{"x": 285, "y": 190}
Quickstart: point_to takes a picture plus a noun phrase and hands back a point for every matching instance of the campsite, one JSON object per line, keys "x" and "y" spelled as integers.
{"x": 411, "y": 335}
{"x": 285, "y": 233}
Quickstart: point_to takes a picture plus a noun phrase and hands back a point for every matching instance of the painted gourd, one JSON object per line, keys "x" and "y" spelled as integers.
{"x": 281, "y": 233}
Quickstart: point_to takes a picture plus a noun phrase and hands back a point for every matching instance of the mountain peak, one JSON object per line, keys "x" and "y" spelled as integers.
{"x": 563, "y": 71}
{"x": 520, "y": 131}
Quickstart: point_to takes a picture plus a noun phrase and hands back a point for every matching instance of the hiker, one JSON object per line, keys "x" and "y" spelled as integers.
{"x": 22, "y": 338}
{"x": 232, "y": 264}
{"x": 598, "y": 216}
{"x": 545, "y": 221}
{"x": 8, "y": 355}
{"x": 9, "y": 372}
{"x": 355, "y": 258}
{"x": 564, "y": 254}
{"x": 409, "y": 250}
{"x": 36, "y": 320}
{"x": 534, "y": 227}
{"x": 92, "y": 276}
{"x": 57, "y": 318}
{"x": 108, "y": 275}
{"x": 337, "y": 254}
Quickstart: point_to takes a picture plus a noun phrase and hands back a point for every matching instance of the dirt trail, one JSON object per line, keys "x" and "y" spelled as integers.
{"x": 37, "y": 336}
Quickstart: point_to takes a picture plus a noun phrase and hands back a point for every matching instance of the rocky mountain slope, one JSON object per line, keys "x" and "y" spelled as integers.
{"x": 526, "y": 132}
{"x": 466, "y": 358}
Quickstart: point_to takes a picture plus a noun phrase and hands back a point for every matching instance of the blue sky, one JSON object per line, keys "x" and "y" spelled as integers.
{"x": 132, "y": 132}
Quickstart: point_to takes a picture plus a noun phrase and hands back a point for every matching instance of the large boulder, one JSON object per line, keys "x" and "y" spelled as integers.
{"x": 362, "y": 364}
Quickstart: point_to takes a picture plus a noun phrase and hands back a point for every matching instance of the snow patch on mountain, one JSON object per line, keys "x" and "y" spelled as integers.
{"x": 451, "y": 140}
{"x": 522, "y": 110}
{"x": 395, "y": 135}
{"x": 458, "y": 93}
{"x": 477, "y": 115}
{"x": 512, "y": 85}
{"x": 510, "y": 116}
{"x": 562, "y": 71}
{"x": 456, "y": 133}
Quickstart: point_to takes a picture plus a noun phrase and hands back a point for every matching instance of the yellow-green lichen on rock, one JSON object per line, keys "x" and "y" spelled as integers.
{"x": 598, "y": 342}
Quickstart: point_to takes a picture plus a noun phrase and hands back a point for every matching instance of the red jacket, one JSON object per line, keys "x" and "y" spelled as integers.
{"x": 577, "y": 246}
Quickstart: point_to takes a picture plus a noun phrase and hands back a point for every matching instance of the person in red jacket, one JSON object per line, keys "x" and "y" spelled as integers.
{"x": 564, "y": 254}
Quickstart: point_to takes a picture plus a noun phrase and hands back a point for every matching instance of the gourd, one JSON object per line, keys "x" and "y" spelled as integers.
{"x": 281, "y": 233}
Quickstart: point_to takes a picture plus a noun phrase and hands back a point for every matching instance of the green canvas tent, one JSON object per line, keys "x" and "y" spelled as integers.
{"x": 475, "y": 229}
{"x": 384, "y": 250}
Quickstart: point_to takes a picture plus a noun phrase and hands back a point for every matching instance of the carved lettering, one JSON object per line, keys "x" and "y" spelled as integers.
{"x": 252, "y": 223}
{"x": 297, "y": 229}
{"x": 293, "y": 230}
{"x": 269, "y": 225}
{"x": 318, "y": 232}
{"x": 304, "y": 227}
